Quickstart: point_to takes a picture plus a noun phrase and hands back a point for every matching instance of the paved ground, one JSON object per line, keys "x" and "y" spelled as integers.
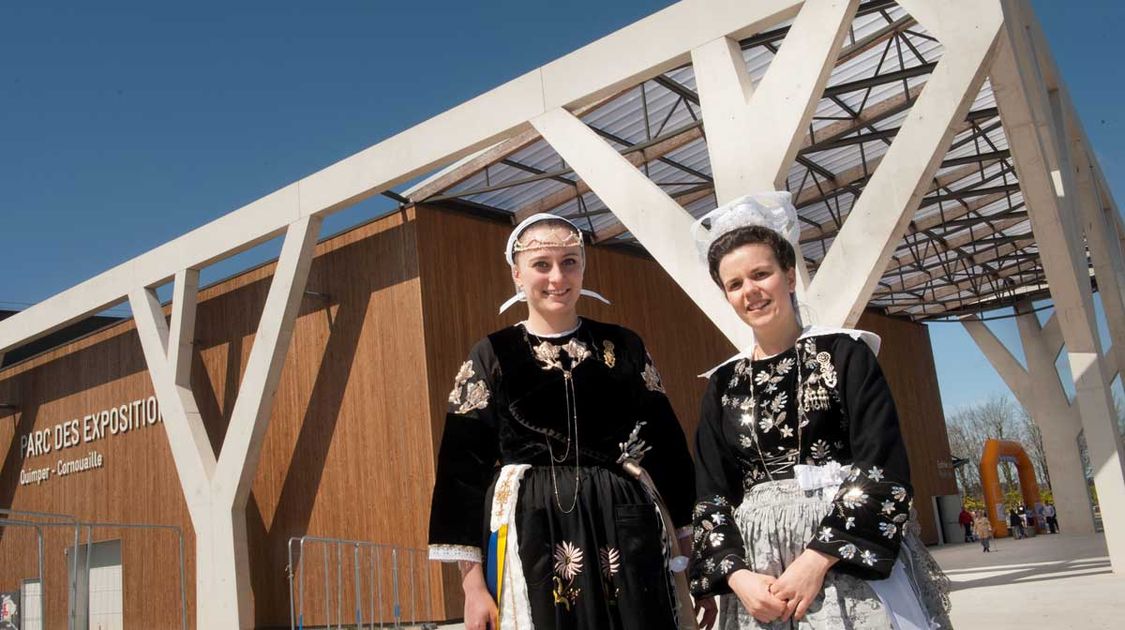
{"x": 1056, "y": 582}
{"x": 1048, "y": 581}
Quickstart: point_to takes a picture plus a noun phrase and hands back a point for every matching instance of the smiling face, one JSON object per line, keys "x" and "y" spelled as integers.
{"x": 757, "y": 287}
{"x": 551, "y": 277}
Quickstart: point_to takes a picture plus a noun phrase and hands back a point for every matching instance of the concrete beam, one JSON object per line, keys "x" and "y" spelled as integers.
{"x": 216, "y": 490}
{"x": 1042, "y": 158}
{"x": 845, "y": 281}
{"x": 654, "y": 218}
{"x": 753, "y": 134}
{"x": 638, "y": 52}
{"x": 1005, "y": 364}
{"x": 1059, "y": 424}
{"x": 181, "y": 337}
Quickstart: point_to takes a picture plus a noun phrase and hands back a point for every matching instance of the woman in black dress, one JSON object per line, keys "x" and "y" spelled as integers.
{"x": 804, "y": 493}
{"x": 539, "y": 493}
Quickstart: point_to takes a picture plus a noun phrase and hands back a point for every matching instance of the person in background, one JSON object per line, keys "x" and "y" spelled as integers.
{"x": 966, "y": 521}
{"x": 1052, "y": 518}
{"x": 982, "y": 527}
{"x": 1015, "y": 523}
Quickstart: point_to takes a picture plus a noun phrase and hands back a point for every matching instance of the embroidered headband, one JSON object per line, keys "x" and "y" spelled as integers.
{"x": 773, "y": 210}
{"x": 515, "y": 246}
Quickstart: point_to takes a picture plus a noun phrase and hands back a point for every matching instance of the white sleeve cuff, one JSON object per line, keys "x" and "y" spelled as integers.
{"x": 455, "y": 553}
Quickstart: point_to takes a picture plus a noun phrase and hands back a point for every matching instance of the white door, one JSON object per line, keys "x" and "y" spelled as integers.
{"x": 105, "y": 603}
{"x": 31, "y": 609}
{"x": 99, "y": 605}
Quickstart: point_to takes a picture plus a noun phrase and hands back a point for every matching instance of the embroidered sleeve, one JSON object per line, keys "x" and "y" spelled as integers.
{"x": 468, "y": 453}
{"x": 717, "y": 547}
{"x": 865, "y": 527}
{"x": 667, "y": 460}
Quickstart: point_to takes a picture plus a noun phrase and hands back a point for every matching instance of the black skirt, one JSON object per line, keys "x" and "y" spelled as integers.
{"x": 602, "y": 564}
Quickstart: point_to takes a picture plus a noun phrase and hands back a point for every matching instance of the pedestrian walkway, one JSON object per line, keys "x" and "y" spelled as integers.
{"x": 1058, "y": 581}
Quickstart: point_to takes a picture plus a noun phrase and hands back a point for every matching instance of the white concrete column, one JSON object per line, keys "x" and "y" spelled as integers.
{"x": 216, "y": 490}
{"x": 1048, "y": 185}
{"x": 1040, "y": 393}
{"x": 753, "y": 134}
{"x": 1101, "y": 239}
{"x": 1058, "y": 422}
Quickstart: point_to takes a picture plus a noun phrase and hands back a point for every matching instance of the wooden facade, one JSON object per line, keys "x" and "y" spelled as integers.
{"x": 391, "y": 310}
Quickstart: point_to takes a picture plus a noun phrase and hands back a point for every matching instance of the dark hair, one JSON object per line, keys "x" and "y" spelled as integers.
{"x": 750, "y": 235}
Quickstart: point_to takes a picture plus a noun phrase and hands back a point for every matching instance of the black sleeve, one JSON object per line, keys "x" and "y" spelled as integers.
{"x": 864, "y": 530}
{"x": 717, "y": 546}
{"x": 466, "y": 461}
{"x": 668, "y": 461}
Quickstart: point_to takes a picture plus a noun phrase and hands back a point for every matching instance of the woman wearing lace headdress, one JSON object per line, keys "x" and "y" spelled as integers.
{"x": 539, "y": 495}
{"x": 803, "y": 515}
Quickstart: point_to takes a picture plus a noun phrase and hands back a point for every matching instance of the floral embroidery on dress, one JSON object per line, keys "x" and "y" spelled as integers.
{"x": 652, "y": 377}
{"x": 610, "y": 560}
{"x": 883, "y": 504}
{"x": 463, "y": 375}
{"x": 476, "y": 397}
{"x": 578, "y": 352}
{"x": 549, "y": 355}
{"x": 819, "y": 452}
{"x": 468, "y": 396}
{"x": 568, "y": 566}
{"x": 633, "y": 448}
{"x": 608, "y": 355}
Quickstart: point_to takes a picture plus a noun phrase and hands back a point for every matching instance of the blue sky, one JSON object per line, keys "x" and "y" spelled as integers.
{"x": 124, "y": 125}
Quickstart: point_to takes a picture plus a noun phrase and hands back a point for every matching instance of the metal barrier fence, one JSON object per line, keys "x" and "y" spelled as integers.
{"x": 388, "y": 584}
{"x": 73, "y": 568}
{"x": 92, "y": 525}
{"x": 9, "y": 522}
{"x": 47, "y": 519}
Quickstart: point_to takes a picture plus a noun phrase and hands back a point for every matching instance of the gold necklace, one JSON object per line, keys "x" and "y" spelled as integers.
{"x": 546, "y": 354}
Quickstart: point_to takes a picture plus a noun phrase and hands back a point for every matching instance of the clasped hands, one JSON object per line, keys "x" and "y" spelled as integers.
{"x": 785, "y": 597}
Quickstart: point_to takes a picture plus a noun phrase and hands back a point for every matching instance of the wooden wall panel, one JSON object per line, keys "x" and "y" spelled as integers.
{"x": 907, "y": 360}
{"x": 101, "y": 371}
{"x": 347, "y": 453}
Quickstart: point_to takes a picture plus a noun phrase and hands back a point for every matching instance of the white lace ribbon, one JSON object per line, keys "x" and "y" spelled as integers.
{"x": 515, "y": 605}
{"x": 830, "y": 475}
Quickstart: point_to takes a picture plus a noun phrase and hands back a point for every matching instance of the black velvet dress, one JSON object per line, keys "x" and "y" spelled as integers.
{"x": 529, "y": 479}
{"x": 803, "y": 450}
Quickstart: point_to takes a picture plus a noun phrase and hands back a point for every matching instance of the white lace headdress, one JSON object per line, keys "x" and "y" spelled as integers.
{"x": 773, "y": 210}
{"x": 515, "y": 247}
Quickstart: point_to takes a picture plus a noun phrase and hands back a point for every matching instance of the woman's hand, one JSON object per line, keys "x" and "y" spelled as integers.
{"x": 480, "y": 610}
{"x": 753, "y": 590}
{"x": 800, "y": 584}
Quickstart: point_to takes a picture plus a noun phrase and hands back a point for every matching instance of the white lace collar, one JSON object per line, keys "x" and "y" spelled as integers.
{"x": 871, "y": 339}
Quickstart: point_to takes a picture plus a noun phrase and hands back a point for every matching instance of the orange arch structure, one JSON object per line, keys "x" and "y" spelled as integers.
{"x": 995, "y": 452}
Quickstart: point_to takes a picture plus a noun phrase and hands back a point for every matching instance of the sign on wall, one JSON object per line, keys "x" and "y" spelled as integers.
{"x": 86, "y": 431}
